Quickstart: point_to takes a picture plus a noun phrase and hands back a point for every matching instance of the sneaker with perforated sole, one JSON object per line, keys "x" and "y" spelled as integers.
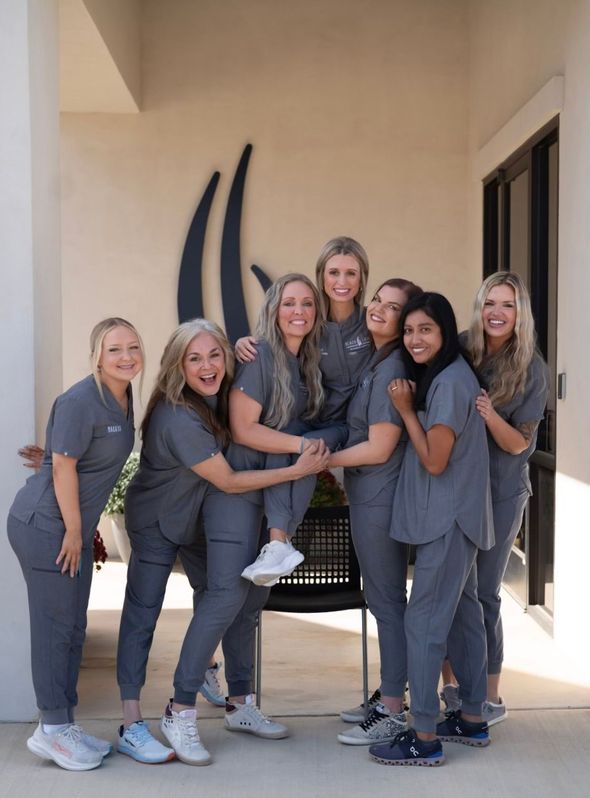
{"x": 248, "y": 718}
{"x": 65, "y": 747}
{"x": 408, "y": 749}
{"x": 180, "y": 729}
{"x": 381, "y": 726}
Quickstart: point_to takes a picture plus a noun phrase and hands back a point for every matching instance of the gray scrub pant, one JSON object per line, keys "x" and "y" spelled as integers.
{"x": 57, "y": 612}
{"x": 444, "y": 614}
{"x": 384, "y": 564}
{"x": 286, "y": 504}
{"x": 491, "y": 567}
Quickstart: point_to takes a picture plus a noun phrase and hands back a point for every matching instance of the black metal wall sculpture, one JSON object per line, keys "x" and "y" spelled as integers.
{"x": 190, "y": 281}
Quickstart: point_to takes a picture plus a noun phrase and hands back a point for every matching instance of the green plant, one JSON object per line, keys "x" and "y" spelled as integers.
{"x": 116, "y": 502}
{"x": 328, "y": 492}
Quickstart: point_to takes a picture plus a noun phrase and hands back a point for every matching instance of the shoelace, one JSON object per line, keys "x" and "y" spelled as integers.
{"x": 257, "y": 713}
{"x": 374, "y": 718}
{"x": 374, "y": 699}
{"x": 189, "y": 732}
{"x": 73, "y": 735}
{"x": 139, "y": 734}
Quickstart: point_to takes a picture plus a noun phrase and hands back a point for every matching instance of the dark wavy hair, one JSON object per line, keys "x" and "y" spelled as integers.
{"x": 411, "y": 290}
{"x": 438, "y": 308}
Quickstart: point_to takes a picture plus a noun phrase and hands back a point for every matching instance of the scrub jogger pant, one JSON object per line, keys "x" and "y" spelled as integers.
{"x": 384, "y": 564}
{"x": 444, "y": 615}
{"x": 57, "y": 612}
{"x": 491, "y": 567}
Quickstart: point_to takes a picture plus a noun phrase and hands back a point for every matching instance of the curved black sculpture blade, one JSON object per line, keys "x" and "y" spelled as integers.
{"x": 262, "y": 277}
{"x": 190, "y": 284}
{"x": 232, "y": 295}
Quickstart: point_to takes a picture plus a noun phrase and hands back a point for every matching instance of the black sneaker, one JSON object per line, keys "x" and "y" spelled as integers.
{"x": 454, "y": 729}
{"x": 407, "y": 749}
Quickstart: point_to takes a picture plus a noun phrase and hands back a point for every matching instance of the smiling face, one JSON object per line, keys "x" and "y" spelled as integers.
{"x": 422, "y": 337}
{"x": 383, "y": 314}
{"x": 203, "y": 364}
{"x": 499, "y": 315}
{"x": 297, "y": 314}
{"x": 120, "y": 357}
{"x": 342, "y": 279}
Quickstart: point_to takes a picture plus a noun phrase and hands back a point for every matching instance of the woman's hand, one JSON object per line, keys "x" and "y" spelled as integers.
{"x": 314, "y": 458}
{"x": 70, "y": 552}
{"x": 401, "y": 393}
{"x": 33, "y": 454}
{"x": 484, "y": 406}
{"x": 245, "y": 349}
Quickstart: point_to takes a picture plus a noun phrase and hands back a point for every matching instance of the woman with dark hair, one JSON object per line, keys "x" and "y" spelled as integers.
{"x": 185, "y": 432}
{"x": 371, "y": 461}
{"x": 500, "y": 342}
{"x": 442, "y": 506}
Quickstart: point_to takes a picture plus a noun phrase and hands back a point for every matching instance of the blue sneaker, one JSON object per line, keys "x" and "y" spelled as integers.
{"x": 138, "y": 742}
{"x": 454, "y": 729}
{"x": 211, "y": 689}
{"x": 407, "y": 749}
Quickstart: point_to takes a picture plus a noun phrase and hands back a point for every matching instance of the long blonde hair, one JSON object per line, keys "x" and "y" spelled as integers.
{"x": 97, "y": 337}
{"x": 171, "y": 385}
{"x": 283, "y": 393}
{"x": 506, "y": 370}
{"x": 341, "y": 246}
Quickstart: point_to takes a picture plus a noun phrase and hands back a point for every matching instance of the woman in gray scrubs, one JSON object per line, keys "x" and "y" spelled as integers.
{"x": 184, "y": 432}
{"x": 371, "y": 462}
{"x": 501, "y": 345}
{"x": 274, "y": 401}
{"x": 442, "y": 506}
{"x": 51, "y": 527}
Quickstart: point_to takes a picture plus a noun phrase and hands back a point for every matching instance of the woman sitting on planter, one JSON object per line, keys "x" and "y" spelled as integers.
{"x": 184, "y": 431}
{"x": 372, "y": 460}
{"x": 51, "y": 528}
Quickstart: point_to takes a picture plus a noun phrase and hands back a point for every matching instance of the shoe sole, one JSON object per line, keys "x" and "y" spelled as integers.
{"x": 265, "y": 579}
{"x": 131, "y": 754}
{"x": 474, "y": 742}
{"x": 272, "y": 736}
{"x": 497, "y": 720}
{"x": 211, "y": 698}
{"x": 425, "y": 763}
{"x": 66, "y": 764}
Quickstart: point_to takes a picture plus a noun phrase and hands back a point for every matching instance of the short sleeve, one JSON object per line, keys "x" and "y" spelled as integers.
{"x": 72, "y": 427}
{"x": 534, "y": 399}
{"x": 449, "y": 405}
{"x": 381, "y": 408}
{"x": 250, "y": 378}
{"x": 189, "y": 441}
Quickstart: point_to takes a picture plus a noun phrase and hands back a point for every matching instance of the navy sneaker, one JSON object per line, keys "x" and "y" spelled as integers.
{"x": 454, "y": 729}
{"x": 407, "y": 749}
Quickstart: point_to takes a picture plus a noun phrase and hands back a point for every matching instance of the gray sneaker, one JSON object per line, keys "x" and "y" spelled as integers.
{"x": 380, "y": 727}
{"x": 357, "y": 714}
{"x": 248, "y": 718}
{"x": 449, "y": 695}
{"x": 494, "y": 713}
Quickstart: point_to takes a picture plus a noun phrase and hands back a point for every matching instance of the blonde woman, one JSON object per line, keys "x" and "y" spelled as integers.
{"x": 501, "y": 345}
{"x": 51, "y": 527}
{"x": 185, "y": 432}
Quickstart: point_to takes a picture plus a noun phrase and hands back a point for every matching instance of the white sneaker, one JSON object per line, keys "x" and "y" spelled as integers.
{"x": 211, "y": 689}
{"x": 248, "y": 718}
{"x": 382, "y": 726}
{"x": 275, "y": 560}
{"x": 180, "y": 729}
{"x": 66, "y": 748}
{"x": 103, "y": 747}
{"x": 357, "y": 714}
{"x": 138, "y": 742}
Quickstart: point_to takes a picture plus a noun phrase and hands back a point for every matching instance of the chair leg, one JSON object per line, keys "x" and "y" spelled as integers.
{"x": 365, "y": 662}
{"x": 258, "y": 658}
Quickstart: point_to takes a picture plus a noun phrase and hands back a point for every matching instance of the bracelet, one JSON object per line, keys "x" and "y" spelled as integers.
{"x": 302, "y": 446}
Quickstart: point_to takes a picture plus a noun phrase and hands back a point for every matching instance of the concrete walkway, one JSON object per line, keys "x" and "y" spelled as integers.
{"x": 311, "y": 671}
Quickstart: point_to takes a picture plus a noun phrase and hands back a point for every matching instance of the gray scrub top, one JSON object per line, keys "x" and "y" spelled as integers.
{"x": 256, "y": 380}
{"x": 370, "y": 404}
{"x": 100, "y": 436}
{"x": 509, "y": 473}
{"x": 165, "y": 491}
{"x": 345, "y": 352}
{"x": 426, "y": 506}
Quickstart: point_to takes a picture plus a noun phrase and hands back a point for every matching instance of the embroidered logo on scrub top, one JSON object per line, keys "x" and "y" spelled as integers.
{"x": 114, "y": 428}
{"x": 357, "y": 343}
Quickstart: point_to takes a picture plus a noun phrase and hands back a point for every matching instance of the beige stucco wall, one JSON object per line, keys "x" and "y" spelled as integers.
{"x": 358, "y": 117}
{"x": 516, "y": 46}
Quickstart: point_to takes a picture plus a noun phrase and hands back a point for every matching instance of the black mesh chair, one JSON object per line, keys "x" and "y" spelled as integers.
{"x": 329, "y": 578}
